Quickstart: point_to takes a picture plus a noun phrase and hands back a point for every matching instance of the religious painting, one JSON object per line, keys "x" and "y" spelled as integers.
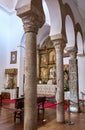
{"x": 66, "y": 77}
{"x": 13, "y": 59}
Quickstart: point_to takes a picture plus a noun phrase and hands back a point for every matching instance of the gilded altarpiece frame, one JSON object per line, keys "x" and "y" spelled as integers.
{"x": 47, "y": 65}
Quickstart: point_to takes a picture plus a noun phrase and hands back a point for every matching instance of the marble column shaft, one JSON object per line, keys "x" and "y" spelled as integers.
{"x": 30, "y": 23}
{"x": 38, "y": 64}
{"x": 59, "y": 46}
{"x": 30, "y": 90}
{"x": 33, "y": 18}
{"x": 73, "y": 80}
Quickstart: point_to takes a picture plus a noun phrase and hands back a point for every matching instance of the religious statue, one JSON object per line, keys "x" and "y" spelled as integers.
{"x": 11, "y": 82}
{"x": 52, "y": 72}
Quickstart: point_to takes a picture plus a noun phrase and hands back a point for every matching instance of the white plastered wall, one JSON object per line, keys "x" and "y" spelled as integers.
{"x": 10, "y": 37}
{"x": 11, "y": 31}
{"x": 81, "y": 75}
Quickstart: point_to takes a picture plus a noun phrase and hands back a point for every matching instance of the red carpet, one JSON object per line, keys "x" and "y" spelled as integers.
{"x": 47, "y": 104}
{"x": 8, "y": 101}
{"x": 53, "y": 105}
{"x": 50, "y": 105}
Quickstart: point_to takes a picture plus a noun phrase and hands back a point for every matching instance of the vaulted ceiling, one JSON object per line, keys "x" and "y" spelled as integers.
{"x": 81, "y": 6}
{"x": 10, "y": 4}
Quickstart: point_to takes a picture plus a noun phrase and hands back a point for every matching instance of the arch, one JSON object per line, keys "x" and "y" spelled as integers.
{"x": 69, "y": 12}
{"x": 43, "y": 34}
{"x": 79, "y": 39}
{"x": 46, "y": 11}
{"x": 69, "y": 25}
{"x": 55, "y": 16}
{"x": 23, "y": 39}
{"x": 79, "y": 43}
{"x": 63, "y": 18}
{"x": 70, "y": 31}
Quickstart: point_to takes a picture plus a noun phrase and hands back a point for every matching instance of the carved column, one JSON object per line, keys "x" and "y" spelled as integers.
{"x": 73, "y": 79}
{"x": 31, "y": 22}
{"x": 59, "y": 46}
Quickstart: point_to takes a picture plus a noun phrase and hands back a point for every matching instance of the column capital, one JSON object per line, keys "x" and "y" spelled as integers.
{"x": 58, "y": 40}
{"x": 30, "y": 23}
{"x": 72, "y": 51}
{"x": 32, "y": 15}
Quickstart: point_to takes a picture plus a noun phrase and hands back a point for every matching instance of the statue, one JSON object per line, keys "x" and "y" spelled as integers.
{"x": 11, "y": 82}
{"x": 52, "y": 72}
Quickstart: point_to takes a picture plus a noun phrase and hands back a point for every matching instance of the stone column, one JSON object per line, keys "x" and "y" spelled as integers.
{"x": 73, "y": 79}
{"x": 32, "y": 20}
{"x": 37, "y": 64}
{"x": 59, "y": 46}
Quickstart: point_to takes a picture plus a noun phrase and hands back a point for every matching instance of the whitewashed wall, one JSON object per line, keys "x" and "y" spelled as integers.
{"x": 4, "y": 41}
{"x": 81, "y": 74}
{"x": 11, "y": 32}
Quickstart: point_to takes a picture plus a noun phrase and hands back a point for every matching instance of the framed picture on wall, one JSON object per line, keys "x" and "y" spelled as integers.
{"x": 13, "y": 59}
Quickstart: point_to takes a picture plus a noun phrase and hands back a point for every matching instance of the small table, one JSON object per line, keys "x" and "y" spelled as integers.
{"x": 83, "y": 95}
{"x": 19, "y": 106}
{"x": 40, "y": 103}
